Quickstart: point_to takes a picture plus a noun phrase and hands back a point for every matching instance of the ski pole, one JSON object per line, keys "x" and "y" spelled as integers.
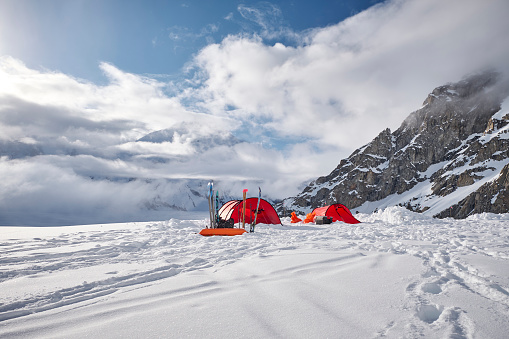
{"x": 256, "y": 213}
{"x": 244, "y": 193}
{"x": 217, "y": 209}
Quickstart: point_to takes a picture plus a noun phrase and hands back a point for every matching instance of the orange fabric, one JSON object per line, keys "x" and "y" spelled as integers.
{"x": 222, "y": 231}
{"x": 338, "y": 212}
{"x": 321, "y": 211}
{"x": 310, "y": 217}
{"x": 295, "y": 218}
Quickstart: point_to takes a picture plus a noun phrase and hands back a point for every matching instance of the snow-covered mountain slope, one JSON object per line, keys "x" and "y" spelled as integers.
{"x": 449, "y": 158}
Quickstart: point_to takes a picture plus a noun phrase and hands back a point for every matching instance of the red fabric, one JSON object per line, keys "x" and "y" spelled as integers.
{"x": 266, "y": 213}
{"x": 338, "y": 212}
{"x": 320, "y": 210}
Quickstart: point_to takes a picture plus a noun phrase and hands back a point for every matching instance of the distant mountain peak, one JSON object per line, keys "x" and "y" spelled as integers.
{"x": 441, "y": 154}
{"x": 200, "y": 141}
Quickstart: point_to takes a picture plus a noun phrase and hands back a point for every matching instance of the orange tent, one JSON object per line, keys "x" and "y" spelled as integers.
{"x": 338, "y": 212}
{"x": 233, "y": 210}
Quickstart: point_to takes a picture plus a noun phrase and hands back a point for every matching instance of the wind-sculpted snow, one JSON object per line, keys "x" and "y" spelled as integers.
{"x": 397, "y": 274}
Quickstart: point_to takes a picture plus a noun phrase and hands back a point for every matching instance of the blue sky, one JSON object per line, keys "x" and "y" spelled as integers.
{"x": 302, "y": 83}
{"x": 147, "y": 37}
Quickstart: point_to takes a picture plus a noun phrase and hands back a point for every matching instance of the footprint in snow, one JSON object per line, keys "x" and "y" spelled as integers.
{"x": 432, "y": 288}
{"x": 429, "y": 313}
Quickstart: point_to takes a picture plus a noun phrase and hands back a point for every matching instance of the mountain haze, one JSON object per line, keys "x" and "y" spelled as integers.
{"x": 448, "y": 158}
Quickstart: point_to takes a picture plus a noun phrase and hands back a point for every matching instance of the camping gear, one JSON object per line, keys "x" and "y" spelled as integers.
{"x": 222, "y": 231}
{"x": 218, "y": 226}
{"x": 322, "y": 220}
{"x": 244, "y": 193}
{"x": 216, "y": 210}
{"x": 266, "y": 213}
{"x": 295, "y": 218}
{"x": 257, "y": 208}
{"x": 310, "y": 217}
{"x": 211, "y": 207}
{"x": 225, "y": 223}
{"x": 338, "y": 212}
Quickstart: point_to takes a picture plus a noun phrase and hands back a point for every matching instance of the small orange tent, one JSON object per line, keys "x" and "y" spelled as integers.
{"x": 233, "y": 210}
{"x": 338, "y": 212}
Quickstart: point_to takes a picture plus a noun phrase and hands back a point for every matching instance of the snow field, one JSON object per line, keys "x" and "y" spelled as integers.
{"x": 397, "y": 274}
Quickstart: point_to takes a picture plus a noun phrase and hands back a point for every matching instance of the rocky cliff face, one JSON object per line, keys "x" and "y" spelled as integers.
{"x": 452, "y": 152}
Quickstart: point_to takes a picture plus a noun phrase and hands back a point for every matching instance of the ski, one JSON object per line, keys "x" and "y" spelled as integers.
{"x": 252, "y": 228}
{"x": 216, "y": 214}
{"x": 212, "y": 218}
{"x": 209, "y": 185}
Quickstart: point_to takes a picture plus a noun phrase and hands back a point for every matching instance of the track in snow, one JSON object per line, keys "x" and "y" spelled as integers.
{"x": 457, "y": 286}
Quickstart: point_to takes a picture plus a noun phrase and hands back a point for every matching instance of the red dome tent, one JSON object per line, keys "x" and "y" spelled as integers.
{"x": 233, "y": 209}
{"x": 338, "y": 212}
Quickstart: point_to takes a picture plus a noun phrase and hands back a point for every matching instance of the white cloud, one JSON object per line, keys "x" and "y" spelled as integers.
{"x": 36, "y": 192}
{"x": 71, "y": 150}
{"x": 265, "y": 14}
{"x": 353, "y": 79}
{"x": 269, "y": 19}
{"x": 178, "y": 147}
{"x": 181, "y": 33}
{"x": 329, "y": 96}
{"x": 47, "y": 104}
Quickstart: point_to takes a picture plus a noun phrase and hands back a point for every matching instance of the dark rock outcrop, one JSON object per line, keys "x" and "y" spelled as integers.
{"x": 457, "y": 140}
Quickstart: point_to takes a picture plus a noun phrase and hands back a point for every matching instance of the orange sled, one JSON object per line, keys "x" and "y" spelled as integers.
{"x": 222, "y": 231}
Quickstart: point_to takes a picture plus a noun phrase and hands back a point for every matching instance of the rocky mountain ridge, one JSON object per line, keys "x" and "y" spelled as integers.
{"x": 448, "y": 158}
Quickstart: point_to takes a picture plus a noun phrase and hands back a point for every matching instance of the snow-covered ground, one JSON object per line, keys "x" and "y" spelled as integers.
{"x": 396, "y": 275}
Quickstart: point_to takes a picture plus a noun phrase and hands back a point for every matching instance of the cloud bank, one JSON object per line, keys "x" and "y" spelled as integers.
{"x": 350, "y": 80}
{"x": 294, "y": 110}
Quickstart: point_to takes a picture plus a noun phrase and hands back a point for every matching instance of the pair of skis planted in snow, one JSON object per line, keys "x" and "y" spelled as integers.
{"x": 252, "y": 228}
{"x": 213, "y": 205}
{"x": 214, "y": 208}
{"x": 253, "y": 223}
